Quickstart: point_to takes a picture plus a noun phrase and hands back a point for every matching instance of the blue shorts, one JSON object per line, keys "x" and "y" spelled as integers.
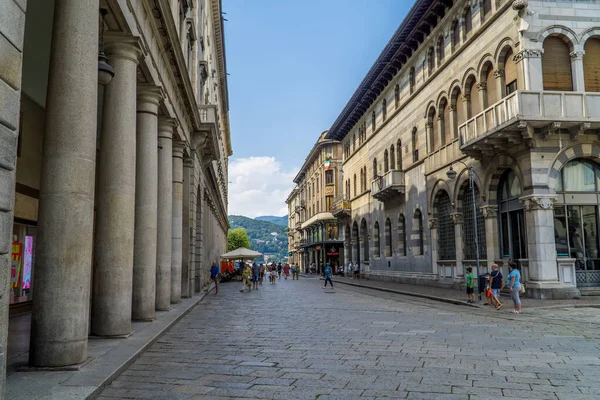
{"x": 496, "y": 292}
{"x": 254, "y": 278}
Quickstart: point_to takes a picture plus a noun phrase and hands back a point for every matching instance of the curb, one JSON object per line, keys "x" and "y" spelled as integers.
{"x": 413, "y": 294}
{"x": 145, "y": 347}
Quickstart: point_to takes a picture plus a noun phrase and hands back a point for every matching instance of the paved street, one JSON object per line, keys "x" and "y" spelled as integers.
{"x": 295, "y": 340}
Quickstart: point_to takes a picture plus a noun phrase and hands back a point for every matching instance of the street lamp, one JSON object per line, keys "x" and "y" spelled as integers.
{"x": 451, "y": 173}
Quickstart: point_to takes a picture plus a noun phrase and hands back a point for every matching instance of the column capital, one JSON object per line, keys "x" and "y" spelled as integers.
{"x": 178, "y": 148}
{"x": 188, "y": 162}
{"x": 465, "y": 98}
{"x": 433, "y": 223}
{"x": 528, "y": 53}
{"x": 166, "y": 127}
{"x": 577, "y": 54}
{"x": 489, "y": 211}
{"x": 457, "y": 218}
{"x": 119, "y": 46}
{"x": 534, "y": 202}
{"x": 148, "y": 98}
{"x": 499, "y": 73}
{"x": 452, "y": 108}
{"x": 481, "y": 86}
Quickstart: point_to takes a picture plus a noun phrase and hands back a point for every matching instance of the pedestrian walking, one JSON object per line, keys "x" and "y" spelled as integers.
{"x": 514, "y": 284}
{"x": 255, "y": 275}
{"x": 327, "y": 273}
{"x": 350, "y": 269}
{"x": 294, "y": 272}
{"x": 261, "y": 274}
{"x": 286, "y": 270}
{"x": 470, "y": 285}
{"x": 214, "y": 276}
{"x": 279, "y": 268}
{"x": 273, "y": 274}
{"x": 496, "y": 283}
{"x": 246, "y": 278}
{"x": 487, "y": 291}
{"x": 357, "y": 271}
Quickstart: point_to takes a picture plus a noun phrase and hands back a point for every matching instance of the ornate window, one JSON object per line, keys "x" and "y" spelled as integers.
{"x": 355, "y": 190}
{"x": 591, "y": 65}
{"x": 374, "y": 168}
{"x": 415, "y": 147}
{"x": 399, "y": 154}
{"x": 556, "y": 65}
{"x": 412, "y": 80}
{"x": 373, "y": 121}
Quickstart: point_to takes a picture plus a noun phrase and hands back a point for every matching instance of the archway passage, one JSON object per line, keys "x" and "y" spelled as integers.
{"x": 576, "y": 218}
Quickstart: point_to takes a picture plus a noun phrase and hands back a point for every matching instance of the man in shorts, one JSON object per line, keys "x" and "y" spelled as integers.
{"x": 496, "y": 283}
{"x": 255, "y": 275}
{"x": 214, "y": 276}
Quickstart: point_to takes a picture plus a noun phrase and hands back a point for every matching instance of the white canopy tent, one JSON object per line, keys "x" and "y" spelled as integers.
{"x": 241, "y": 253}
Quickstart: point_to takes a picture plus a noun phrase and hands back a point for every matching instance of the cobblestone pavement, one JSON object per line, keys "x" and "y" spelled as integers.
{"x": 295, "y": 340}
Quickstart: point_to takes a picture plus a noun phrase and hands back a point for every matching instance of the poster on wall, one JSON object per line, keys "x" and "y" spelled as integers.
{"x": 27, "y": 259}
{"x": 15, "y": 264}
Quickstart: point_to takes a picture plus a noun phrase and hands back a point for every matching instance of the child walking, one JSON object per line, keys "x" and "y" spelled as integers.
{"x": 470, "y": 285}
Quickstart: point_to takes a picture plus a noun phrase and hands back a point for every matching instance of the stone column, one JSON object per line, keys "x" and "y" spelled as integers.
{"x": 433, "y": 227}
{"x": 577, "y": 68}
{"x": 532, "y": 68}
{"x": 429, "y": 137}
{"x": 60, "y": 317}
{"x": 199, "y": 243}
{"x": 500, "y": 83}
{"x": 490, "y": 215}
{"x": 177, "y": 233}
{"x": 115, "y": 209}
{"x": 457, "y": 220}
{"x": 187, "y": 272}
{"x": 482, "y": 92}
{"x": 165, "y": 213}
{"x": 146, "y": 204}
{"x": 453, "y": 121}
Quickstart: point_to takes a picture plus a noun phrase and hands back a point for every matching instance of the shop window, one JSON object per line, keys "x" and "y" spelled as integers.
{"x": 401, "y": 235}
{"x": 446, "y": 237}
{"x": 556, "y": 65}
{"x": 591, "y": 65}
{"x": 419, "y": 231}
{"x": 376, "y": 238}
{"x": 329, "y": 177}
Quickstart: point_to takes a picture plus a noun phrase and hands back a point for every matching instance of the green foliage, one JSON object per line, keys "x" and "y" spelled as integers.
{"x": 283, "y": 221}
{"x": 237, "y": 238}
{"x": 261, "y": 238}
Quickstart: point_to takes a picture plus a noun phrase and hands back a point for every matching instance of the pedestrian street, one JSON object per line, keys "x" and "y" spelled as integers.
{"x": 296, "y": 340}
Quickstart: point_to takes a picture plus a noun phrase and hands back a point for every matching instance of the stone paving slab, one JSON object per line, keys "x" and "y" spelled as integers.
{"x": 295, "y": 341}
{"x": 108, "y": 359}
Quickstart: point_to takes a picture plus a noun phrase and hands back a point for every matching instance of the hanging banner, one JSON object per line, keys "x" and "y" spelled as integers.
{"x": 27, "y": 258}
{"x": 327, "y": 164}
{"x": 15, "y": 264}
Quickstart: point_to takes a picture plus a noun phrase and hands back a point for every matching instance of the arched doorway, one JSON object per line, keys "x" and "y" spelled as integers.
{"x": 511, "y": 218}
{"x": 442, "y": 207}
{"x": 355, "y": 242}
{"x": 576, "y": 218}
{"x": 364, "y": 231}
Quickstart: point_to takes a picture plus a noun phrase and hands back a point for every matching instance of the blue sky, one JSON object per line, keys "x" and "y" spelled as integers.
{"x": 293, "y": 65}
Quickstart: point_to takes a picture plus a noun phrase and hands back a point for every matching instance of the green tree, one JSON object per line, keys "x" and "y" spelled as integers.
{"x": 237, "y": 238}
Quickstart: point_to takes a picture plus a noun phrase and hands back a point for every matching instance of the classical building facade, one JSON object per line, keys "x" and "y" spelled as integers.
{"x": 503, "y": 94}
{"x": 114, "y": 141}
{"x": 314, "y": 235}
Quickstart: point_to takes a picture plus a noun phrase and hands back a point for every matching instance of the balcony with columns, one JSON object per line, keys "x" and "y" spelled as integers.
{"x": 388, "y": 186}
{"x": 341, "y": 207}
{"x": 515, "y": 118}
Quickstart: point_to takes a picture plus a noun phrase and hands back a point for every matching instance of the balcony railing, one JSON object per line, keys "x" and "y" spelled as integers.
{"x": 208, "y": 113}
{"x": 388, "y": 186}
{"x": 442, "y": 157}
{"x": 341, "y": 207}
{"x": 505, "y": 123}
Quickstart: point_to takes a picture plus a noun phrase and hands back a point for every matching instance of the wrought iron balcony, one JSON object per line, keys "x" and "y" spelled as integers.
{"x": 341, "y": 207}
{"x": 515, "y": 118}
{"x": 388, "y": 186}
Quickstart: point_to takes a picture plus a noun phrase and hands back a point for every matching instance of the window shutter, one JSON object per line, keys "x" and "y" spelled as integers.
{"x": 492, "y": 91}
{"x": 475, "y": 104}
{"x": 556, "y": 65}
{"x": 510, "y": 68}
{"x": 591, "y": 65}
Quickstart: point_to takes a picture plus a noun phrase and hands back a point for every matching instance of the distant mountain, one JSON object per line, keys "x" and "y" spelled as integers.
{"x": 265, "y": 236}
{"x": 283, "y": 221}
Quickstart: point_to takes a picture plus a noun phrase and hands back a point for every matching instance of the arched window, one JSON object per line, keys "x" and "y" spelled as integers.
{"x": 355, "y": 189}
{"x": 446, "y": 124}
{"x": 487, "y": 7}
{"x": 434, "y": 136}
{"x": 510, "y": 73}
{"x": 415, "y": 147}
{"x": 442, "y": 208}
{"x": 392, "y": 158}
{"x": 397, "y": 96}
{"x": 399, "y": 154}
{"x": 401, "y": 235}
{"x": 365, "y": 240}
{"x": 419, "y": 232}
{"x": 386, "y": 162}
{"x": 475, "y": 104}
{"x": 440, "y": 47}
{"x": 491, "y": 92}
{"x": 576, "y": 219}
{"x": 374, "y": 168}
{"x": 354, "y": 142}
{"x": 348, "y": 188}
{"x": 591, "y": 65}
{"x": 373, "y": 121}
{"x": 384, "y": 109}
{"x": 455, "y": 34}
{"x": 468, "y": 16}
{"x": 356, "y": 242}
{"x": 376, "y": 238}
{"x": 468, "y": 224}
{"x": 388, "y": 238}
{"x": 411, "y": 77}
{"x": 556, "y": 65}
{"x": 430, "y": 60}
{"x": 461, "y": 108}
{"x": 513, "y": 239}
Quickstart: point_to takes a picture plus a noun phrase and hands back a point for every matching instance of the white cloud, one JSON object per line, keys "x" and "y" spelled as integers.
{"x": 259, "y": 186}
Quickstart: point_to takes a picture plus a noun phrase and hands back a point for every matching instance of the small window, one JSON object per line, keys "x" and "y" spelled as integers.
{"x": 373, "y": 121}
{"x": 328, "y": 202}
{"x": 329, "y": 177}
{"x": 397, "y": 96}
{"x": 376, "y": 240}
{"x": 384, "y": 109}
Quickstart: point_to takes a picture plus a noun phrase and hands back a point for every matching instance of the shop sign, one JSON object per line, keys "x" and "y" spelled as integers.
{"x": 333, "y": 251}
{"x": 15, "y": 264}
{"x": 27, "y": 257}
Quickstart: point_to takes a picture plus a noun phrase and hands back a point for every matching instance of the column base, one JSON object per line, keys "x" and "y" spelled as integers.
{"x": 125, "y": 336}
{"x": 143, "y": 319}
{"x": 176, "y": 302}
{"x": 165, "y": 309}
{"x": 551, "y": 291}
{"x": 74, "y": 367}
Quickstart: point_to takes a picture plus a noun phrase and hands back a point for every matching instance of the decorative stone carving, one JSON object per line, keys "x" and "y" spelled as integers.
{"x": 538, "y": 202}
{"x": 481, "y": 86}
{"x": 465, "y": 98}
{"x": 519, "y": 4}
{"x": 433, "y": 223}
{"x": 528, "y": 53}
{"x": 428, "y": 125}
{"x": 489, "y": 211}
{"x": 452, "y": 108}
{"x": 498, "y": 73}
{"x": 577, "y": 54}
{"x": 457, "y": 218}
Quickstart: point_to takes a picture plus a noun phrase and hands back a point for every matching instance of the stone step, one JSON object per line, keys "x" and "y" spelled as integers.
{"x": 590, "y": 291}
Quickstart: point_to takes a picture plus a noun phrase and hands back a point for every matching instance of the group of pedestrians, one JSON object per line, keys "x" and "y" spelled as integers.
{"x": 253, "y": 276}
{"x": 494, "y": 282}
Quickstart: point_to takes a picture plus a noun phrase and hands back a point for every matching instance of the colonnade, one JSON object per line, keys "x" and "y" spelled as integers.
{"x": 125, "y": 212}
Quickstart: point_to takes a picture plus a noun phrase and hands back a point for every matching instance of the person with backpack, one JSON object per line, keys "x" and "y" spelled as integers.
{"x": 327, "y": 273}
